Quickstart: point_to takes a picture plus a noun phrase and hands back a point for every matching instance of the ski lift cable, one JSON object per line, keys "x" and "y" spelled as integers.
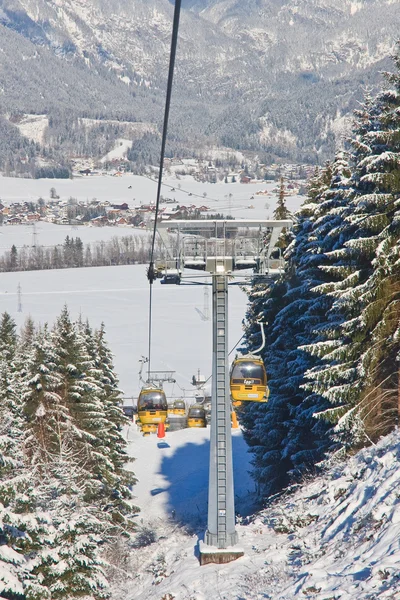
{"x": 240, "y": 339}
{"x": 150, "y": 271}
{"x": 208, "y": 379}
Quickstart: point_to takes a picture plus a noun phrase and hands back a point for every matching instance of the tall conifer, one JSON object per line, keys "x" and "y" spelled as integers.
{"x": 356, "y": 363}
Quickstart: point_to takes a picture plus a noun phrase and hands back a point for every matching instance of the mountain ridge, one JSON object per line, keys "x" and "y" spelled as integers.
{"x": 297, "y": 66}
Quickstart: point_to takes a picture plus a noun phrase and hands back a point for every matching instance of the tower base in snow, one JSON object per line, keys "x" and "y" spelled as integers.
{"x": 219, "y": 556}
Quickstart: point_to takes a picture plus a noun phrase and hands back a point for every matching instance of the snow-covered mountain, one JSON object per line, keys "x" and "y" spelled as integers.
{"x": 272, "y": 74}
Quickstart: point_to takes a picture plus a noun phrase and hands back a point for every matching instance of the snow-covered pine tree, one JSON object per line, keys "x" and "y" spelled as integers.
{"x": 49, "y": 449}
{"x": 64, "y": 455}
{"x": 306, "y": 441}
{"x": 8, "y": 338}
{"x": 48, "y": 422}
{"x": 285, "y": 439}
{"x": 355, "y": 356}
{"x": 116, "y": 482}
{"x": 78, "y": 392}
{"x": 115, "y": 417}
{"x": 68, "y": 563}
{"x": 18, "y": 525}
{"x": 264, "y": 425}
{"x": 281, "y": 213}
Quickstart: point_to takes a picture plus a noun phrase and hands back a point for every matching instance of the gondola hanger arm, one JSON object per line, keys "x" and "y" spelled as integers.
{"x": 262, "y": 337}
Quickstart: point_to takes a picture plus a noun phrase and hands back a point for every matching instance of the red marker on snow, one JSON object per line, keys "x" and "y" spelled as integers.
{"x": 161, "y": 430}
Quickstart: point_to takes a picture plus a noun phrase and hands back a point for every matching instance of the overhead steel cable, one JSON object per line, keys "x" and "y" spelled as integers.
{"x": 150, "y": 271}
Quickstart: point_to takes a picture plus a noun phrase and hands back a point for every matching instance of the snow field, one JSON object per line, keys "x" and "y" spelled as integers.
{"x": 119, "y": 297}
{"x": 48, "y": 234}
{"x": 143, "y": 190}
{"x": 318, "y": 542}
{"x": 121, "y": 149}
{"x": 172, "y": 474}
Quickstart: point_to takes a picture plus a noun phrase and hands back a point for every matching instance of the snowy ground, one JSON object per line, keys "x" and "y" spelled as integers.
{"x": 33, "y": 127}
{"x": 335, "y": 538}
{"x": 181, "y": 340}
{"x": 121, "y": 149}
{"x": 137, "y": 190}
{"x": 48, "y": 234}
{"x": 173, "y": 474}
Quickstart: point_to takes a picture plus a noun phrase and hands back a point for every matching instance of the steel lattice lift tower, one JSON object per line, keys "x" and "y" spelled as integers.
{"x": 224, "y": 246}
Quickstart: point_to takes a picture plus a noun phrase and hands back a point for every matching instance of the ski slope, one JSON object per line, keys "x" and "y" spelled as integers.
{"x": 119, "y": 297}
{"x": 337, "y": 537}
{"x": 172, "y": 474}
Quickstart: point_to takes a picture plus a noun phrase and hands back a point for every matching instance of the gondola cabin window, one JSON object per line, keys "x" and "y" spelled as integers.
{"x": 248, "y": 373}
{"x": 152, "y": 400}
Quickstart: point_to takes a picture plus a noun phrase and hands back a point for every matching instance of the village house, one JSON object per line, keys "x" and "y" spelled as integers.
{"x": 182, "y": 212}
{"x": 123, "y": 206}
{"x": 14, "y": 220}
{"x": 100, "y": 221}
{"x": 136, "y": 220}
{"x": 34, "y": 216}
{"x": 113, "y": 213}
{"x": 169, "y": 213}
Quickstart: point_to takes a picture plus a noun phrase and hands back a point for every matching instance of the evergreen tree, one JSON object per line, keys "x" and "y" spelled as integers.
{"x": 96, "y": 419}
{"x": 13, "y": 258}
{"x": 8, "y": 338}
{"x": 284, "y": 443}
{"x": 68, "y": 252}
{"x": 64, "y": 493}
{"x": 68, "y": 563}
{"x": 118, "y": 482}
{"x": 83, "y": 493}
{"x": 281, "y": 211}
{"x": 286, "y": 439}
{"x": 357, "y": 363}
{"x": 18, "y": 525}
{"x": 78, "y": 253}
{"x": 48, "y": 419}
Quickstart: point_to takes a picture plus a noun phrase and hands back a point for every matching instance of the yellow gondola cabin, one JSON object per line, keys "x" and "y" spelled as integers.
{"x": 152, "y": 409}
{"x": 179, "y": 408}
{"x": 197, "y": 416}
{"x": 248, "y": 380}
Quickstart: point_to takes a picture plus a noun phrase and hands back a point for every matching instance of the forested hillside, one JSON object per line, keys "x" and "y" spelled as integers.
{"x": 333, "y": 334}
{"x": 274, "y": 78}
{"x": 66, "y": 510}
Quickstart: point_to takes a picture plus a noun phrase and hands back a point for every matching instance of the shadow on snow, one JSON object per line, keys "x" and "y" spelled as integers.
{"x": 186, "y": 473}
